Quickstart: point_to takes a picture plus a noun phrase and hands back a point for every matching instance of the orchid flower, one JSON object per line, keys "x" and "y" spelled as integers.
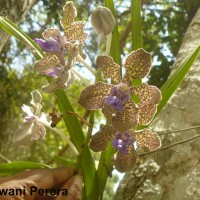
{"x": 54, "y": 45}
{"x": 32, "y": 128}
{"x": 115, "y": 100}
{"x": 125, "y": 143}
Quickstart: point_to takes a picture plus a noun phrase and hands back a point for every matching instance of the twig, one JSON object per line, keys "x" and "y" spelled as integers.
{"x": 4, "y": 158}
{"x": 176, "y": 131}
{"x": 168, "y": 146}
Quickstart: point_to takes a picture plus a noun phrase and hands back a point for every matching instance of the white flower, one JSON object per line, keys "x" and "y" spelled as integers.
{"x": 32, "y": 128}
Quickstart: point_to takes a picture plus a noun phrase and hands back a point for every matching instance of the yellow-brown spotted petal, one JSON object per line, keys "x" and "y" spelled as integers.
{"x": 92, "y": 97}
{"x": 109, "y": 67}
{"x": 52, "y": 33}
{"x": 126, "y": 119}
{"x": 147, "y": 94}
{"x": 70, "y": 14}
{"x": 75, "y": 32}
{"x": 137, "y": 64}
{"x": 101, "y": 138}
{"x": 146, "y": 138}
{"x": 146, "y": 113}
{"x": 55, "y": 84}
{"x": 125, "y": 161}
{"x": 47, "y": 64}
{"x": 108, "y": 112}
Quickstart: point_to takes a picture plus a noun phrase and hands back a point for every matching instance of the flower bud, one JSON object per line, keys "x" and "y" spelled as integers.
{"x": 102, "y": 21}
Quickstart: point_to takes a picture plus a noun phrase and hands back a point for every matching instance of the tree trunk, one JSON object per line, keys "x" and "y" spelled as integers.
{"x": 15, "y": 10}
{"x": 174, "y": 173}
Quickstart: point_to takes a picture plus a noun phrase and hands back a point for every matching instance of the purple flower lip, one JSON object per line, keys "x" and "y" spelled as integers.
{"x": 49, "y": 45}
{"x": 29, "y": 118}
{"x": 53, "y": 72}
{"x": 122, "y": 141}
{"x": 115, "y": 103}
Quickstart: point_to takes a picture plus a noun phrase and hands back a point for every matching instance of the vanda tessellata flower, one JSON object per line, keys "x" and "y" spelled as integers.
{"x": 115, "y": 99}
{"x": 54, "y": 45}
{"x": 32, "y": 128}
{"x": 126, "y": 144}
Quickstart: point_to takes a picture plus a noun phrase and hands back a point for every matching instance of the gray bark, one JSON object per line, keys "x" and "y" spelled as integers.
{"x": 173, "y": 174}
{"x": 15, "y": 10}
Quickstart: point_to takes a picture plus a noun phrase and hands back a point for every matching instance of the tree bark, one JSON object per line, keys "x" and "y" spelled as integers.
{"x": 174, "y": 173}
{"x": 15, "y": 10}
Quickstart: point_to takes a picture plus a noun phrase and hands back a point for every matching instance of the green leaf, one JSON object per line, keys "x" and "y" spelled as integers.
{"x": 115, "y": 46}
{"x": 15, "y": 31}
{"x": 176, "y": 78}
{"x": 8, "y": 169}
{"x": 136, "y": 24}
{"x": 91, "y": 187}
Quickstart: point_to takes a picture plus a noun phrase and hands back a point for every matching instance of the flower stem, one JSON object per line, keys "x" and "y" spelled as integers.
{"x": 87, "y": 139}
{"x": 62, "y": 135}
{"x": 81, "y": 60}
{"x": 85, "y": 82}
{"x": 108, "y": 44}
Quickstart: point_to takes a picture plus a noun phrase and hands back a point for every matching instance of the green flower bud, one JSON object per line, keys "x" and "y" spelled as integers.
{"x": 102, "y": 21}
{"x": 36, "y": 97}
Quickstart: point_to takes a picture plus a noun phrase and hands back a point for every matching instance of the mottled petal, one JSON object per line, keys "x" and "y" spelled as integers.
{"x": 101, "y": 138}
{"x": 137, "y": 64}
{"x": 147, "y": 94}
{"x": 55, "y": 84}
{"x": 49, "y": 45}
{"x": 47, "y": 64}
{"x": 109, "y": 67}
{"x": 126, "y": 119}
{"x": 108, "y": 112}
{"x": 146, "y": 114}
{"x": 38, "y": 132}
{"x": 70, "y": 14}
{"x": 125, "y": 161}
{"x": 75, "y": 32}
{"x": 146, "y": 138}
{"x": 36, "y": 97}
{"x": 52, "y": 33}
{"x": 92, "y": 97}
{"x": 115, "y": 103}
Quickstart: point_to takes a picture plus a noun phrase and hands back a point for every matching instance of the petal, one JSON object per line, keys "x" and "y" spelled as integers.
{"x": 146, "y": 113}
{"x": 108, "y": 112}
{"x": 70, "y": 14}
{"x": 36, "y": 97}
{"x": 55, "y": 84}
{"x": 126, "y": 119}
{"x": 137, "y": 64}
{"x": 49, "y": 45}
{"x": 47, "y": 64}
{"x": 146, "y": 138}
{"x": 92, "y": 97}
{"x": 28, "y": 110}
{"x": 53, "y": 33}
{"x": 22, "y": 135}
{"x": 75, "y": 32}
{"x": 147, "y": 94}
{"x": 125, "y": 162}
{"x": 109, "y": 67}
{"x": 38, "y": 132}
{"x": 101, "y": 138}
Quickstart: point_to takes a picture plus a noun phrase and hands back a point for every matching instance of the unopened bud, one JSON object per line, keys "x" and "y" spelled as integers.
{"x": 102, "y": 21}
